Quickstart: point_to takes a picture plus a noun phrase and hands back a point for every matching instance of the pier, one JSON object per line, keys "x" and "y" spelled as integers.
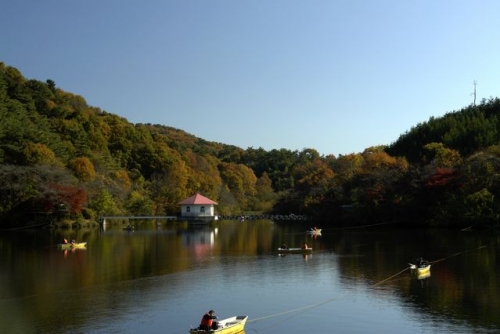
{"x": 207, "y": 219}
{"x": 102, "y": 219}
{"x": 275, "y": 217}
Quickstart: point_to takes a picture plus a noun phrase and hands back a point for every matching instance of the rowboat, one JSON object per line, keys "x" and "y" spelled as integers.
{"x": 230, "y": 325}
{"x": 420, "y": 272}
{"x": 314, "y": 231}
{"x": 314, "y": 234}
{"x": 75, "y": 245}
{"x": 294, "y": 250}
{"x": 420, "y": 269}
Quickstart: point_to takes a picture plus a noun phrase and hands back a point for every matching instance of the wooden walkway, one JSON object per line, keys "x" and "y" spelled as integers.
{"x": 270, "y": 217}
{"x": 103, "y": 219}
{"x": 205, "y": 219}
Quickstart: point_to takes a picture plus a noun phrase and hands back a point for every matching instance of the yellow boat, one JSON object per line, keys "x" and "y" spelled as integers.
{"x": 70, "y": 245}
{"x": 231, "y": 325}
{"x": 420, "y": 272}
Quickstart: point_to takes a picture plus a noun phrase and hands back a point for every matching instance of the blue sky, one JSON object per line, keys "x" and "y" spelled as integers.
{"x": 338, "y": 76}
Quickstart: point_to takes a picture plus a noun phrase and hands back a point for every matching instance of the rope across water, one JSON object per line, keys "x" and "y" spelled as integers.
{"x": 294, "y": 310}
{"x": 308, "y": 307}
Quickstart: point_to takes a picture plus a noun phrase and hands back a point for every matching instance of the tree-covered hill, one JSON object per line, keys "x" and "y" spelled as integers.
{"x": 467, "y": 131}
{"x": 63, "y": 159}
{"x": 59, "y": 157}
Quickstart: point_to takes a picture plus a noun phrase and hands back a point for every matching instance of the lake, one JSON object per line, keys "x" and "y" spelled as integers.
{"x": 162, "y": 277}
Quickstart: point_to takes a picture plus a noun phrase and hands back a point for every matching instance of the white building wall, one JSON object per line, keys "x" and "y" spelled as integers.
{"x": 195, "y": 210}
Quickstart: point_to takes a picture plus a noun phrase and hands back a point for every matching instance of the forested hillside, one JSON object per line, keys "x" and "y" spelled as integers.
{"x": 63, "y": 159}
{"x": 467, "y": 131}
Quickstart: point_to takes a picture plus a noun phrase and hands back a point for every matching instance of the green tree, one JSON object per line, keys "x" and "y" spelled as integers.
{"x": 103, "y": 203}
{"x": 175, "y": 182}
{"x": 265, "y": 196}
{"x": 137, "y": 204}
{"x": 441, "y": 156}
{"x": 240, "y": 181}
{"x": 480, "y": 207}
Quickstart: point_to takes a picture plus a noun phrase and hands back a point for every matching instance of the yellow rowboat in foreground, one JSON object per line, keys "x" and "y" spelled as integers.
{"x": 231, "y": 325}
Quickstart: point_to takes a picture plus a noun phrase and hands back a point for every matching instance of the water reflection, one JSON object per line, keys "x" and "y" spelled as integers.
{"x": 200, "y": 241}
{"x": 66, "y": 252}
{"x": 199, "y": 236}
{"x": 169, "y": 274}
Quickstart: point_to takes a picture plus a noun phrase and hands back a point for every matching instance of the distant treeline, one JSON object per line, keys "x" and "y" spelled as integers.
{"x": 63, "y": 159}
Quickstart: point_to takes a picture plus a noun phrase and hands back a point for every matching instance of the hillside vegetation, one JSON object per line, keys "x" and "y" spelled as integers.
{"x": 63, "y": 159}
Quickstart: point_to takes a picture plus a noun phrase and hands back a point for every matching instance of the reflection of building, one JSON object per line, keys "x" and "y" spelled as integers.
{"x": 200, "y": 241}
{"x": 198, "y": 237}
{"x": 198, "y": 208}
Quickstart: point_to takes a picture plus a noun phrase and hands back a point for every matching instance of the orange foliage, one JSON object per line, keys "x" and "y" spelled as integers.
{"x": 443, "y": 177}
{"x": 37, "y": 153}
{"x": 377, "y": 160}
{"x": 70, "y": 198}
{"x": 123, "y": 178}
{"x": 83, "y": 168}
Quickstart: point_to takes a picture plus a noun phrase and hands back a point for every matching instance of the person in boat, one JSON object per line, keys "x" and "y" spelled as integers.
{"x": 304, "y": 245}
{"x": 73, "y": 241}
{"x": 65, "y": 241}
{"x": 207, "y": 321}
{"x": 284, "y": 246}
{"x": 421, "y": 262}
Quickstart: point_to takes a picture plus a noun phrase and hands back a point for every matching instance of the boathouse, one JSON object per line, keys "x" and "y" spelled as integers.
{"x": 198, "y": 207}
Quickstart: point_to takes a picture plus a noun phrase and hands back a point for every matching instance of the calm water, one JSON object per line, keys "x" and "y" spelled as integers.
{"x": 161, "y": 279}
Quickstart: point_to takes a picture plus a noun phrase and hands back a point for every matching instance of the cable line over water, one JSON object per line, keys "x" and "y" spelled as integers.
{"x": 312, "y": 306}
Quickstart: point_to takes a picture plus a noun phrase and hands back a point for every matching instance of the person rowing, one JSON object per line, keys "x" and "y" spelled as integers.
{"x": 207, "y": 322}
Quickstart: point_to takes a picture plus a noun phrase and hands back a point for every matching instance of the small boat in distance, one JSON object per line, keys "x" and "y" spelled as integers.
{"x": 422, "y": 268}
{"x": 314, "y": 230}
{"x": 72, "y": 245}
{"x": 297, "y": 250}
{"x": 128, "y": 228}
{"x": 420, "y": 273}
{"x": 230, "y": 325}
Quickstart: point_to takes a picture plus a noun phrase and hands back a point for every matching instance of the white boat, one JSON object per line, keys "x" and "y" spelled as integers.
{"x": 282, "y": 250}
{"x": 230, "y": 325}
{"x": 314, "y": 231}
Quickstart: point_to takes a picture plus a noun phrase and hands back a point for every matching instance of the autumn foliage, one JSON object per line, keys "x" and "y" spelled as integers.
{"x": 63, "y": 158}
{"x": 65, "y": 198}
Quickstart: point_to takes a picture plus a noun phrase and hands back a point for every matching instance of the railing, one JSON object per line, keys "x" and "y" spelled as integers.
{"x": 102, "y": 219}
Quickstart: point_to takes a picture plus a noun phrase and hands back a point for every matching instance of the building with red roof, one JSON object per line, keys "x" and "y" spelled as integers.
{"x": 198, "y": 207}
